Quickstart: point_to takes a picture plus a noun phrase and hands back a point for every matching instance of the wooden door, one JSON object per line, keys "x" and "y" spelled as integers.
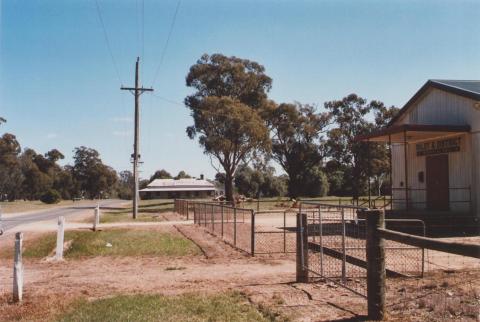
{"x": 438, "y": 197}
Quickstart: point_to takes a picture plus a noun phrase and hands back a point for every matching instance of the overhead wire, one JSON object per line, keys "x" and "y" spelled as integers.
{"x": 162, "y": 56}
{"x": 107, "y": 41}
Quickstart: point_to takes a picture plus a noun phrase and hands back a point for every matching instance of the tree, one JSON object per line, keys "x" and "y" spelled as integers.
{"x": 356, "y": 160}
{"x": 11, "y": 177}
{"x": 161, "y": 174}
{"x": 94, "y": 179}
{"x": 2, "y": 120}
{"x": 297, "y": 145}
{"x": 182, "y": 175}
{"x": 259, "y": 181}
{"x": 227, "y": 109}
{"x": 125, "y": 184}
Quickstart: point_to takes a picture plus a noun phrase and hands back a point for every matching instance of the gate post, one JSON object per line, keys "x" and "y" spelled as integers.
{"x": 302, "y": 248}
{"x": 375, "y": 264}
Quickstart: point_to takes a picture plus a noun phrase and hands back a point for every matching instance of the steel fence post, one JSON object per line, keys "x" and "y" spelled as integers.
{"x": 344, "y": 257}
{"x": 221, "y": 209}
{"x": 213, "y": 221}
{"x": 205, "y": 214}
{"x": 321, "y": 239}
{"x": 375, "y": 264}
{"x": 302, "y": 249}
{"x": 187, "y": 209}
{"x": 234, "y": 226}
{"x": 285, "y": 232}
{"x": 252, "y": 241}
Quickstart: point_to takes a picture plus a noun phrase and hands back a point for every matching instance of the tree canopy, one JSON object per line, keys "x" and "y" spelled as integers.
{"x": 230, "y": 97}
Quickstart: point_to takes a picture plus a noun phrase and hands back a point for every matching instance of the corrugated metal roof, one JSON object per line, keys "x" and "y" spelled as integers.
{"x": 180, "y": 183}
{"x": 465, "y": 85}
{"x": 173, "y": 189}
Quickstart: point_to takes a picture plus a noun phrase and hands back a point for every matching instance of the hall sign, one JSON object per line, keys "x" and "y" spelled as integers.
{"x": 439, "y": 146}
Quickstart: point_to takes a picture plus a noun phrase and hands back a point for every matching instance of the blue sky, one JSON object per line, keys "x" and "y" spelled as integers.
{"x": 59, "y": 88}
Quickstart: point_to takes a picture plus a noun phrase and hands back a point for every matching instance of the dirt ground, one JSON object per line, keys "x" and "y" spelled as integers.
{"x": 268, "y": 282}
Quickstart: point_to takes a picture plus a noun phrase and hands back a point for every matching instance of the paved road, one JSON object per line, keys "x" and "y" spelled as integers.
{"x": 11, "y": 222}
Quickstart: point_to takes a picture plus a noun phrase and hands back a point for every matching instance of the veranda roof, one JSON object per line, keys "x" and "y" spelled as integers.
{"x": 413, "y": 133}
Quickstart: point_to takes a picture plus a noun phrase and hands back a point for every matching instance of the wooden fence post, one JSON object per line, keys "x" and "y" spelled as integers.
{"x": 60, "y": 238}
{"x": 18, "y": 269}
{"x": 96, "y": 218}
{"x": 375, "y": 264}
{"x": 302, "y": 248}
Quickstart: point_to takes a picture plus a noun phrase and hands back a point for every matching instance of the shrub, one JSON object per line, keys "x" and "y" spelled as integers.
{"x": 50, "y": 197}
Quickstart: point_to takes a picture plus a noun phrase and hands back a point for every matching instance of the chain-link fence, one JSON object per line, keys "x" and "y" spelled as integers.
{"x": 233, "y": 225}
{"x": 337, "y": 246}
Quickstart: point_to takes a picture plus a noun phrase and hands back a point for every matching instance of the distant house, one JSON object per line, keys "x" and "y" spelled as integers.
{"x": 181, "y": 188}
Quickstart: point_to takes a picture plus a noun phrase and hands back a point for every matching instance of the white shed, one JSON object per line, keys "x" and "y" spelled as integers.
{"x": 435, "y": 151}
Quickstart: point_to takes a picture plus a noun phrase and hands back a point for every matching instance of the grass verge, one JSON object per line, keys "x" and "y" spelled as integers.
{"x": 149, "y": 211}
{"x": 187, "y": 307}
{"x": 113, "y": 242}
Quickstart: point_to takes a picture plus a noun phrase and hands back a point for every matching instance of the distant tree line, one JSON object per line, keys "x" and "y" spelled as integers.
{"x": 237, "y": 124}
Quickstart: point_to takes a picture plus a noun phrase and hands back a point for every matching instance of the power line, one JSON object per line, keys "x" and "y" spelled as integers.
{"x": 166, "y": 42}
{"x": 168, "y": 100}
{"x": 97, "y": 5}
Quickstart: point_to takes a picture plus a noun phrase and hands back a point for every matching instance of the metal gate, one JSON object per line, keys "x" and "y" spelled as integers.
{"x": 336, "y": 239}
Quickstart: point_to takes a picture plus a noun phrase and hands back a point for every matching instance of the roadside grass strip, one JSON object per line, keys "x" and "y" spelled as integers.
{"x": 188, "y": 307}
{"x": 149, "y": 210}
{"x": 112, "y": 242}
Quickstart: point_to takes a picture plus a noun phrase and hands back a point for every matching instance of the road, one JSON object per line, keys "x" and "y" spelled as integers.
{"x": 10, "y": 222}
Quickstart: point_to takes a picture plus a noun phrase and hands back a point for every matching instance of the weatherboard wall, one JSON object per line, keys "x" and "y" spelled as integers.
{"x": 438, "y": 107}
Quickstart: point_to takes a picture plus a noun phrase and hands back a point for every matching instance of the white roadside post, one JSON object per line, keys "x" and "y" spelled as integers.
{"x": 60, "y": 238}
{"x": 18, "y": 269}
{"x": 96, "y": 218}
{"x": 1, "y": 222}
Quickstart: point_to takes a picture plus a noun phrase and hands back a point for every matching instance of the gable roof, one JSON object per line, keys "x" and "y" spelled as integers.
{"x": 465, "y": 88}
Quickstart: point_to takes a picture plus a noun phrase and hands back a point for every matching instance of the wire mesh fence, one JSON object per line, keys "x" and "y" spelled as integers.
{"x": 275, "y": 232}
{"x": 337, "y": 246}
{"x": 233, "y": 225}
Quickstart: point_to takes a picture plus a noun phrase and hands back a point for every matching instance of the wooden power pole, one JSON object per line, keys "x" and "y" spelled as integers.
{"x": 136, "y": 91}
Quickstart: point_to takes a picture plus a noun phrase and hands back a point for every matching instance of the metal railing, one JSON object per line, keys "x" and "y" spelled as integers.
{"x": 417, "y": 198}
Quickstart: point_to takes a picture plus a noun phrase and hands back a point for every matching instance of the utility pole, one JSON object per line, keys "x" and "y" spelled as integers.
{"x": 136, "y": 91}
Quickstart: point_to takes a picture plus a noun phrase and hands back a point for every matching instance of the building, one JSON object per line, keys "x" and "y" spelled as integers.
{"x": 435, "y": 153}
{"x": 181, "y": 188}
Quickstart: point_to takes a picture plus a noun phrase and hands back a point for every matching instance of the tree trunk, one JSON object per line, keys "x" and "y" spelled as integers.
{"x": 229, "y": 188}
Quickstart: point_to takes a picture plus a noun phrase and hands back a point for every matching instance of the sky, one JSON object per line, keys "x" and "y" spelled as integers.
{"x": 60, "y": 86}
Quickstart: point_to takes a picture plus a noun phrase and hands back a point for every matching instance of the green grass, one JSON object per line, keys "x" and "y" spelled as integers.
{"x": 21, "y": 205}
{"x": 189, "y": 307}
{"x": 124, "y": 243}
{"x": 148, "y": 211}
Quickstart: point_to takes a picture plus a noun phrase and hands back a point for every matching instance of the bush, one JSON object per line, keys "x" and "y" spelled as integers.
{"x": 50, "y": 197}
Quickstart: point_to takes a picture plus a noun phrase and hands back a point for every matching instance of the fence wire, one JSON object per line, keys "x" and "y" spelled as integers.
{"x": 337, "y": 247}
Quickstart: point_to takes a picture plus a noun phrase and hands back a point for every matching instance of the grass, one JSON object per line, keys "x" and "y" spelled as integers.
{"x": 148, "y": 211}
{"x": 124, "y": 243}
{"x": 189, "y": 307}
{"x": 21, "y": 205}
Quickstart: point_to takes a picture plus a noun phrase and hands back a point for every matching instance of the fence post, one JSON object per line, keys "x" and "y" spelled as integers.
{"x": 213, "y": 221}
{"x": 18, "y": 269}
{"x": 285, "y": 232}
{"x": 302, "y": 248}
{"x": 344, "y": 255}
{"x": 320, "y": 223}
{"x": 221, "y": 207}
{"x": 375, "y": 264}
{"x": 252, "y": 220}
{"x": 234, "y": 226}
{"x": 1, "y": 222}
{"x": 60, "y": 238}
{"x": 96, "y": 218}
{"x": 186, "y": 202}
